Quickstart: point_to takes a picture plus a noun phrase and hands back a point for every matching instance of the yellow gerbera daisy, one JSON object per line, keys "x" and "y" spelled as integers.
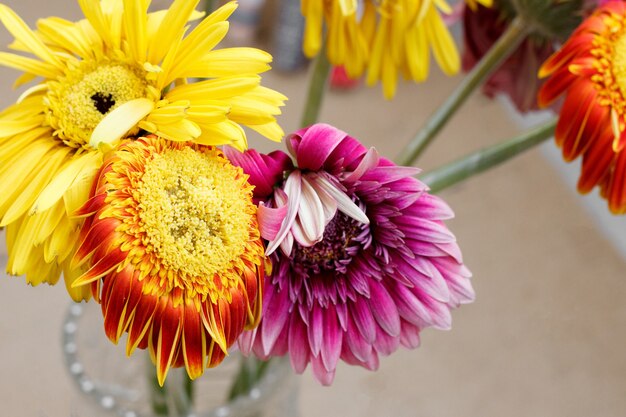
{"x": 119, "y": 71}
{"x": 384, "y": 37}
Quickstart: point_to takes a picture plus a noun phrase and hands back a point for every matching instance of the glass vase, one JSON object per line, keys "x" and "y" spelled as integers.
{"x": 108, "y": 383}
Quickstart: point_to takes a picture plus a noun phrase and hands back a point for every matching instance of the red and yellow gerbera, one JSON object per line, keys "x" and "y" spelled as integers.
{"x": 174, "y": 252}
{"x": 590, "y": 72}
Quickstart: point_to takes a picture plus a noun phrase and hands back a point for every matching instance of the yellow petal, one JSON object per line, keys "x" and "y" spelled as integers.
{"x": 46, "y": 222}
{"x": 36, "y": 181}
{"x": 62, "y": 181}
{"x": 29, "y": 65}
{"x": 13, "y": 127}
{"x": 313, "y": 11}
{"x": 63, "y": 241}
{"x": 228, "y": 62}
{"x": 78, "y": 294}
{"x": 224, "y": 133}
{"x": 272, "y": 131}
{"x": 93, "y": 12}
{"x": 444, "y": 49}
{"x": 170, "y": 30}
{"x": 200, "y": 42}
{"x": 119, "y": 121}
{"x": 14, "y": 175}
{"x": 65, "y": 34}
{"x": 347, "y": 6}
{"x": 182, "y": 131}
{"x": 417, "y": 56}
{"x": 23, "y": 34}
{"x": 78, "y": 193}
{"x": 215, "y": 89}
{"x": 135, "y": 27}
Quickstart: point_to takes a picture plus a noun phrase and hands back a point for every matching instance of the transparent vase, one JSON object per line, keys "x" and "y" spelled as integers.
{"x": 108, "y": 383}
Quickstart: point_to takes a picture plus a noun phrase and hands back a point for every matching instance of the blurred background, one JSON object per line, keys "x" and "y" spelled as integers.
{"x": 546, "y": 334}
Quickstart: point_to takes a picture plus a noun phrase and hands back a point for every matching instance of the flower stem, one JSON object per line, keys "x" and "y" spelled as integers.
{"x": 158, "y": 394}
{"x": 486, "y": 158}
{"x": 317, "y": 87}
{"x": 251, "y": 370}
{"x": 502, "y": 49}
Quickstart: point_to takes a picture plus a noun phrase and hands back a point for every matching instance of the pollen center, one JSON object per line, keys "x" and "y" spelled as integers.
{"x": 343, "y": 238}
{"x": 80, "y": 100}
{"x": 619, "y": 63}
{"x": 194, "y": 211}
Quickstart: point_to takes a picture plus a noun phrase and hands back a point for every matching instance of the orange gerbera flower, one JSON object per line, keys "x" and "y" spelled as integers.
{"x": 590, "y": 71}
{"x": 174, "y": 252}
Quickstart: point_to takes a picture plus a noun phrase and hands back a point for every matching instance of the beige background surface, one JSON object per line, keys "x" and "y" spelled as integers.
{"x": 545, "y": 336}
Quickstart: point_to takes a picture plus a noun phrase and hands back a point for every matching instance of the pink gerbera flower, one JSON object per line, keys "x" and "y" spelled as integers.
{"x": 362, "y": 260}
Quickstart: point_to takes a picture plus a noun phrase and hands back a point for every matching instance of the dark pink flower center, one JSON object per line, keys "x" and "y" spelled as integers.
{"x": 343, "y": 238}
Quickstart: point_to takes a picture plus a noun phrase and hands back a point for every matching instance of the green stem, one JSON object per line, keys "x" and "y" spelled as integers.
{"x": 486, "y": 158}
{"x": 158, "y": 394}
{"x": 317, "y": 88}
{"x": 502, "y": 49}
{"x": 251, "y": 370}
{"x": 210, "y": 6}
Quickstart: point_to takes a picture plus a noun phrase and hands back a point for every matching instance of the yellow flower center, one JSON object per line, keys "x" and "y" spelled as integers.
{"x": 90, "y": 90}
{"x": 619, "y": 63}
{"x": 196, "y": 214}
{"x": 609, "y": 51}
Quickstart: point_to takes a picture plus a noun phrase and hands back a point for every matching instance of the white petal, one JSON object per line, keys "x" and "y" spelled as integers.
{"x": 293, "y": 189}
{"x": 119, "y": 121}
{"x": 344, "y": 203}
{"x": 311, "y": 213}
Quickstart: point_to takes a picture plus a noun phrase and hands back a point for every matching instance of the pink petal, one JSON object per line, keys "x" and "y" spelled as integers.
{"x": 298, "y": 344}
{"x": 275, "y": 315}
{"x": 316, "y": 329}
{"x": 331, "y": 343}
{"x": 410, "y": 308}
{"x": 410, "y": 336}
{"x": 360, "y": 348}
{"x": 386, "y": 344}
{"x": 346, "y": 156}
{"x": 431, "y": 207}
{"x": 369, "y": 161}
{"x": 363, "y": 319}
{"x": 245, "y": 342}
{"x": 371, "y": 363}
{"x": 314, "y": 145}
{"x": 384, "y": 309}
{"x": 323, "y": 376}
{"x": 265, "y": 171}
{"x": 270, "y": 220}
{"x": 384, "y": 175}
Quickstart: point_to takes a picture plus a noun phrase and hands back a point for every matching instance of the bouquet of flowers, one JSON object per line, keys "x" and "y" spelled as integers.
{"x": 126, "y": 171}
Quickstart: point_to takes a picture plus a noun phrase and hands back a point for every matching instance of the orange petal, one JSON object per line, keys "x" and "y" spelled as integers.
{"x": 215, "y": 356}
{"x": 142, "y": 320}
{"x": 91, "y": 206}
{"x": 561, "y": 58}
{"x": 194, "y": 341}
{"x": 212, "y": 325}
{"x": 169, "y": 336}
{"x": 105, "y": 265}
{"x": 616, "y": 194}
{"x": 596, "y": 161}
{"x": 117, "y": 304}
{"x": 101, "y": 231}
{"x": 554, "y": 86}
